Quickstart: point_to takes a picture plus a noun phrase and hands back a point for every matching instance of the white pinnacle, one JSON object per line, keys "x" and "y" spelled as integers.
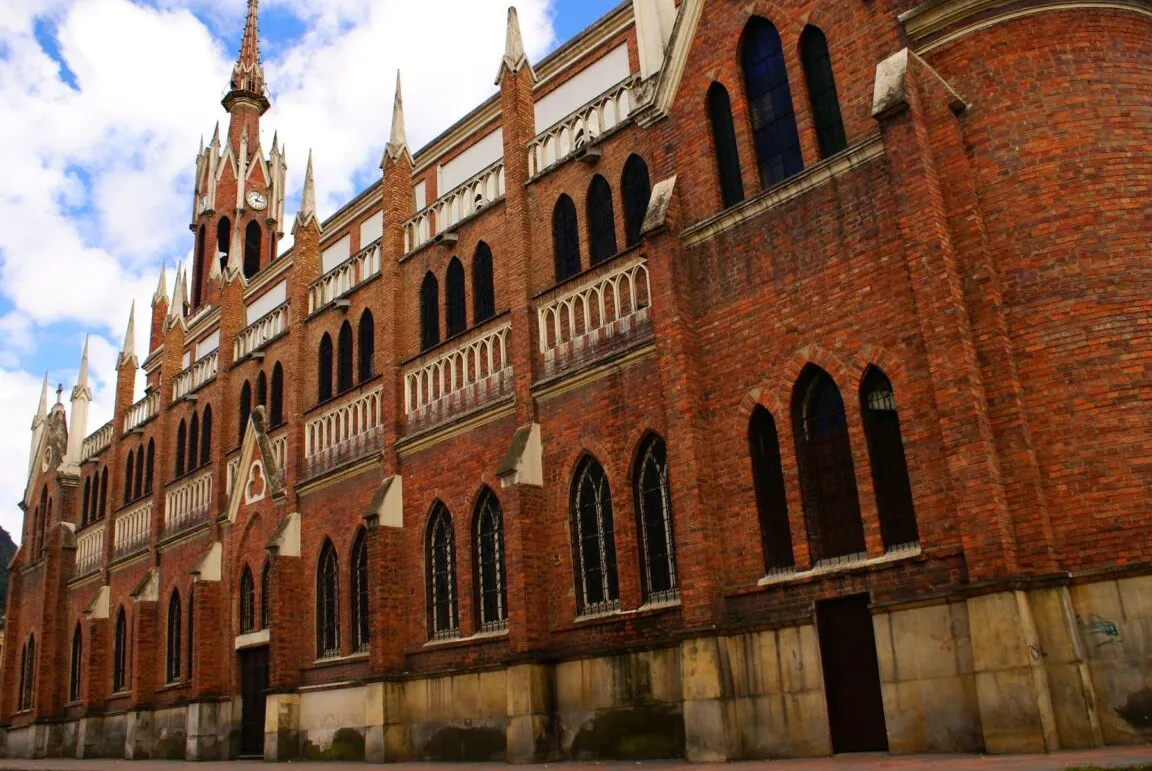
{"x": 307, "y": 211}
{"x": 514, "y": 55}
{"x": 128, "y": 351}
{"x": 161, "y": 294}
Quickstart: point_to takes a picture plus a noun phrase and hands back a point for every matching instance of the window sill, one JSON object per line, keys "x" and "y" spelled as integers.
{"x": 478, "y": 637}
{"x": 176, "y": 686}
{"x": 335, "y": 660}
{"x": 833, "y": 567}
{"x": 253, "y": 639}
{"x": 120, "y": 695}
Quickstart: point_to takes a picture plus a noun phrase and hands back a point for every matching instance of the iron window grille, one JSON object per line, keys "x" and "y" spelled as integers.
{"x": 443, "y": 615}
{"x": 77, "y": 658}
{"x": 491, "y": 590}
{"x": 120, "y": 653}
{"x": 654, "y": 512}
{"x": 172, "y": 660}
{"x": 247, "y": 602}
{"x": 361, "y": 634}
{"x": 597, "y": 585}
{"x": 328, "y": 604}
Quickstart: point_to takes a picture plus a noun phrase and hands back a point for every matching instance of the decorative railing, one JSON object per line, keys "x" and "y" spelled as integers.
{"x": 580, "y": 128}
{"x": 344, "y": 277}
{"x": 90, "y": 551}
{"x": 142, "y": 411}
{"x": 345, "y": 432}
{"x": 261, "y": 332}
{"x": 279, "y": 453}
{"x": 469, "y": 197}
{"x": 474, "y": 371}
{"x": 197, "y": 374}
{"x": 188, "y": 504}
{"x": 96, "y": 443}
{"x": 576, "y": 324}
{"x": 131, "y": 531}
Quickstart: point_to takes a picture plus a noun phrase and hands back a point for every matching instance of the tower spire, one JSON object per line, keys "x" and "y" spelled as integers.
{"x": 307, "y": 213}
{"x": 398, "y": 139}
{"x": 514, "y": 55}
{"x": 248, "y": 73}
{"x": 128, "y": 351}
{"x": 78, "y": 422}
{"x": 161, "y": 294}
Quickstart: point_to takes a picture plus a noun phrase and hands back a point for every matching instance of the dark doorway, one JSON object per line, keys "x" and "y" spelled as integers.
{"x": 253, "y": 684}
{"x": 851, "y": 675}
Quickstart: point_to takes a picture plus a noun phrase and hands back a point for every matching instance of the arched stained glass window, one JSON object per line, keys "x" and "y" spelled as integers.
{"x": 594, "y": 540}
{"x": 344, "y": 361}
{"x": 276, "y": 407}
{"x": 455, "y": 298}
{"x": 181, "y": 447}
{"x": 74, "y": 670}
{"x": 565, "y": 239}
{"x": 637, "y": 190}
{"x": 429, "y": 312}
{"x": 771, "y": 499}
{"x": 367, "y": 368}
{"x": 483, "y": 288}
{"x": 488, "y": 560}
{"x": 206, "y": 436}
{"x": 120, "y": 653}
{"x": 889, "y": 466}
{"x": 247, "y": 598}
{"x": 324, "y": 370}
{"x": 252, "y": 249}
{"x": 443, "y": 616}
{"x": 328, "y": 603}
{"x": 150, "y": 463}
{"x": 175, "y": 641}
{"x": 361, "y": 634}
{"x": 193, "y": 442}
{"x": 601, "y": 221}
{"x": 724, "y": 145}
{"x": 822, "y": 92}
{"x": 659, "y": 580}
{"x": 245, "y": 408}
{"x": 770, "y": 103}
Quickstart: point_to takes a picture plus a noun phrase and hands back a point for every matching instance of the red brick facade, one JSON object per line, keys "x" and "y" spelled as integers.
{"x": 982, "y": 240}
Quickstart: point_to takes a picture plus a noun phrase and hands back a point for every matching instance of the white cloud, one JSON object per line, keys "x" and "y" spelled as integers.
{"x": 97, "y": 183}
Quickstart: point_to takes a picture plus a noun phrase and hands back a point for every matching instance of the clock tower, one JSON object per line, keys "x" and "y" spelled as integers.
{"x": 238, "y": 207}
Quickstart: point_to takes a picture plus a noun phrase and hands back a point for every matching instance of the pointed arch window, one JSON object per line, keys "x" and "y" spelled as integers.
{"x": 150, "y": 464}
{"x": 594, "y": 540}
{"x": 129, "y": 465}
{"x": 324, "y": 371}
{"x": 659, "y": 581}
{"x": 483, "y": 287}
{"x": 247, "y": 597}
{"x": 724, "y": 145}
{"x": 601, "y": 221}
{"x": 201, "y": 268}
{"x": 344, "y": 360}
{"x": 245, "y": 408}
{"x": 770, "y": 103}
{"x": 429, "y": 312}
{"x": 27, "y": 675}
{"x": 262, "y": 390}
{"x": 565, "y": 239}
{"x": 822, "y": 91}
{"x": 191, "y": 628}
{"x": 359, "y": 605}
{"x": 223, "y": 241}
{"x": 175, "y": 641}
{"x": 328, "y": 603}
{"x": 637, "y": 191}
{"x": 889, "y": 465}
{"x": 85, "y": 510}
{"x": 193, "y": 442}
{"x": 440, "y": 550}
{"x": 367, "y": 358}
{"x": 771, "y": 498}
{"x": 276, "y": 406}
{"x": 75, "y": 664}
{"x": 206, "y": 436}
{"x": 138, "y": 480}
{"x": 455, "y": 298}
{"x": 120, "y": 653}
{"x": 181, "y": 441}
{"x": 827, "y": 476}
{"x": 265, "y": 594}
{"x": 253, "y": 235}
{"x": 103, "y": 492}
{"x": 488, "y": 541}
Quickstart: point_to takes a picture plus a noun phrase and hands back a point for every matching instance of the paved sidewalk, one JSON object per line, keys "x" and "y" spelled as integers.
{"x": 1107, "y": 757}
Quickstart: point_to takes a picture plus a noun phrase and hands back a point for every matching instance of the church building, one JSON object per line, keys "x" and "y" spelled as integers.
{"x": 742, "y": 380}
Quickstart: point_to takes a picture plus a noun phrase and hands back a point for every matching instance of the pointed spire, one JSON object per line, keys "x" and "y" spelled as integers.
{"x": 307, "y": 213}
{"x": 82, "y": 378}
{"x": 176, "y": 310}
{"x": 128, "y": 351}
{"x": 215, "y": 136}
{"x": 514, "y": 55}
{"x": 42, "y": 410}
{"x": 398, "y": 139}
{"x": 161, "y": 294}
{"x": 248, "y": 73}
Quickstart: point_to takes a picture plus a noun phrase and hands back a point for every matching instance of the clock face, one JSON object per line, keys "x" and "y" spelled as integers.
{"x": 256, "y": 200}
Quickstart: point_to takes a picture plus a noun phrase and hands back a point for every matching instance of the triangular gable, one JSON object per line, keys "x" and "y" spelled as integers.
{"x": 227, "y": 161}
{"x": 257, "y": 475}
{"x": 258, "y": 162}
{"x": 98, "y": 608}
{"x": 148, "y": 590}
{"x": 207, "y": 568}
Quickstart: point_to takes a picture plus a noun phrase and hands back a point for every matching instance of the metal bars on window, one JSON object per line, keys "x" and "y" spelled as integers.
{"x": 361, "y": 634}
{"x": 247, "y": 601}
{"x": 654, "y": 514}
{"x": 328, "y": 603}
{"x": 491, "y": 591}
{"x": 174, "y": 641}
{"x": 443, "y": 616}
{"x": 594, "y": 543}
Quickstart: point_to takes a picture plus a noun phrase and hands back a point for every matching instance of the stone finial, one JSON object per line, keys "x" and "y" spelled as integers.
{"x": 307, "y": 213}
{"x": 42, "y": 410}
{"x": 82, "y": 378}
{"x": 248, "y": 72}
{"x": 176, "y": 310}
{"x": 128, "y": 350}
{"x": 161, "y": 293}
{"x": 397, "y": 140}
{"x": 514, "y": 55}
{"x": 215, "y": 136}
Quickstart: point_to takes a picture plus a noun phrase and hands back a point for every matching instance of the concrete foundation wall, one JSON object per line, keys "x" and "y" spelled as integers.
{"x": 1014, "y": 671}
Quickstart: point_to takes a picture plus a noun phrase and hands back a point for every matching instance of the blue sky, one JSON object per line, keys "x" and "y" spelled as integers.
{"x": 113, "y": 97}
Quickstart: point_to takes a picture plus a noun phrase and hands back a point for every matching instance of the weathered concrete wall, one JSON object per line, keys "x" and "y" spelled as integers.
{"x": 928, "y": 680}
{"x": 621, "y": 707}
{"x": 460, "y": 717}
{"x": 333, "y": 724}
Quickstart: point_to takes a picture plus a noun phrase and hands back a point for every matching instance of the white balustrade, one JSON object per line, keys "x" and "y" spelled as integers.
{"x": 472, "y": 196}
{"x": 131, "y": 531}
{"x": 188, "y": 504}
{"x": 90, "y": 551}
{"x": 475, "y": 370}
{"x": 279, "y": 453}
{"x": 142, "y": 411}
{"x": 605, "y": 306}
{"x": 344, "y": 277}
{"x": 260, "y": 332}
{"x": 347, "y": 431}
{"x": 197, "y": 374}
{"x": 96, "y": 443}
{"x": 580, "y": 128}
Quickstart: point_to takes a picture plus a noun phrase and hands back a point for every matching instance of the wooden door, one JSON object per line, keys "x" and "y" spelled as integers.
{"x": 253, "y": 684}
{"x": 851, "y": 675}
